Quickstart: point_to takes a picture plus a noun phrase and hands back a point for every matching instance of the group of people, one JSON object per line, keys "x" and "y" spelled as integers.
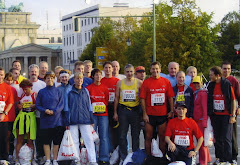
{"x": 175, "y": 107}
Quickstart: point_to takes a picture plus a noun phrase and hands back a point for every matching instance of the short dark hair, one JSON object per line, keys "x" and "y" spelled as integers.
{"x": 216, "y": 70}
{"x": 49, "y": 73}
{"x": 94, "y": 71}
{"x": 156, "y": 63}
{"x": 25, "y": 83}
{"x": 7, "y": 75}
{"x": 16, "y": 61}
{"x": 12, "y": 69}
{"x": 78, "y": 63}
{"x": 1, "y": 68}
{"x": 107, "y": 62}
{"x": 226, "y": 63}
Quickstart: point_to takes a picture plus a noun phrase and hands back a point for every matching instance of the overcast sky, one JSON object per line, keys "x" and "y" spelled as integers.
{"x": 58, "y": 8}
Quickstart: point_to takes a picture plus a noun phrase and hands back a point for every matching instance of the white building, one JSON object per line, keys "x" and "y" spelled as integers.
{"x": 74, "y": 43}
{"x": 49, "y": 36}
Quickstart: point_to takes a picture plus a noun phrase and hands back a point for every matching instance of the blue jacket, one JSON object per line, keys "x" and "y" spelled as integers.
{"x": 189, "y": 100}
{"x": 50, "y": 98}
{"x": 78, "y": 106}
{"x": 86, "y": 81}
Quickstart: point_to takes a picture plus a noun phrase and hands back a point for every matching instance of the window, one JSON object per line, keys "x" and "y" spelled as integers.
{"x": 52, "y": 39}
{"x": 64, "y": 28}
{"x": 89, "y": 36}
{"x": 70, "y": 57}
{"x": 85, "y": 22}
{"x": 67, "y": 41}
{"x": 73, "y": 39}
{"x": 79, "y": 39}
{"x": 96, "y": 20}
{"x": 64, "y": 41}
{"x": 85, "y": 36}
{"x": 73, "y": 55}
{"x": 59, "y": 40}
{"x": 70, "y": 40}
{"x": 67, "y": 27}
{"x": 88, "y": 21}
{"x": 92, "y": 20}
{"x": 65, "y": 58}
{"x": 82, "y": 22}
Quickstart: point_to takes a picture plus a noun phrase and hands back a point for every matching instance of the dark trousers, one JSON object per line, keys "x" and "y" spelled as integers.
{"x": 222, "y": 130}
{"x": 234, "y": 142}
{"x": 180, "y": 154}
{"x": 39, "y": 143}
{"x": 3, "y": 140}
{"x": 126, "y": 117}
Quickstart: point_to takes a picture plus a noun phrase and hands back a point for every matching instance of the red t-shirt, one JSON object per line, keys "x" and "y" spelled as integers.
{"x": 111, "y": 84}
{"x": 6, "y": 97}
{"x": 235, "y": 86}
{"x": 219, "y": 100}
{"x": 181, "y": 132}
{"x": 192, "y": 86}
{"x": 156, "y": 92}
{"x": 99, "y": 96}
{"x": 11, "y": 113}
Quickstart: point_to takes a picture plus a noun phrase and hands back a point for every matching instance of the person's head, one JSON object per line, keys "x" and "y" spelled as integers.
{"x": 140, "y": 72}
{"x": 129, "y": 71}
{"x": 79, "y": 67}
{"x": 155, "y": 69}
{"x": 96, "y": 75}
{"x": 215, "y": 73}
{"x": 26, "y": 85}
{"x": 108, "y": 68}
{"x": 49, "y": 78}
{"x": 2, "y": 75}
{"x": 197, "y": 82}
{"x": 173, "y": 68}
{"x": 78, "y": 79}
{"x": 8, "y": 79}
{"x": 226, "y": 69}
{"x": 33, "y": 71}
{"x": 43, "y": 67}
{"x": 192, "y": 71}
{"x": 64, "y": 76}
{"x": 181, "y": 110}
{"x": 180, "y": 76}
{"x": 15, "y": 73}
{"x": 16, "y": 64}
{"x": 57, "y": 70}
{"x": 116, "y": 67}
{"x": 87, "y": 66}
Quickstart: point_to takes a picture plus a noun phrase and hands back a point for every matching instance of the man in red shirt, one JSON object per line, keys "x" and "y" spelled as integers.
{"x": 111, "y": 82}
{"x": 154, "y": 94}
{"x": 179, "y": 137}
{"x": 6, "y": 102}
{"x": 226, "y": 69}
{"x": 222, "y": 111}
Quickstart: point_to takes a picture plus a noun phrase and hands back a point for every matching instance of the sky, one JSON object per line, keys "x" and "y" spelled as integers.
{"x": 55, "y": 9}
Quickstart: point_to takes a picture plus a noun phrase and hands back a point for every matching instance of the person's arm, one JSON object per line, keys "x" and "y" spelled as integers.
{"x": 145, "y": 116}
{"x": 196, "y": 149}
{"x": 60, "y": 104}
{"x": 171, "y": 145}
{"x": 203, "y": 100}
{"x": 39, "y": 105}
{"x": 116, "y": 100}
{"x": 2, "y": 115}
{"x": 170, "y": 100}
{"x": 233, "y": 118}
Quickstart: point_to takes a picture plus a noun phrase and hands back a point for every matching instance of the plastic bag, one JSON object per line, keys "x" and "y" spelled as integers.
{"x": 128, "y": 159}
{"x": 25, "y": 155}
{"x": 156, "y": 152}
{"x": 67, "y": 150}
{"x": 208, "y": 134}
{"x": 95, "y": 135}
{"x": 83, "y": 156}
{"x": 177, "y": 163}
{"x": 115, "y": 156}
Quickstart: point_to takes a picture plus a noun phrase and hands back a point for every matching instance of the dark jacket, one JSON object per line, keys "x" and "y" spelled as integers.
{"x": 188, "y": 95}
{"x": 226, "y": 90}
{"x": 79, "y": 107}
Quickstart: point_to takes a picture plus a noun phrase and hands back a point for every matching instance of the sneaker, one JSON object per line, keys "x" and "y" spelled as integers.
{"x": 41, "y": 160}
{"x": 4, "y": 162}
{"x": 227, "y": 163}
{"x": 217, "y": 161}
{"x": 48, "y": 162}
{"x": 234, "y": 162}
{"x": 93, "y": 163}
{"x": 121, "y": 162}
{"x": 55, "y": 162}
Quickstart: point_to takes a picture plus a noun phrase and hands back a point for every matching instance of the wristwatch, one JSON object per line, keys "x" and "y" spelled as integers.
{"x": 234, "y": 116}
{"x": 196, "y": 152}
{"x": 5, "y": 113}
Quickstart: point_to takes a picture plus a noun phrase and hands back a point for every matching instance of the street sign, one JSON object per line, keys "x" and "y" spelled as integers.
{"x": 101, "y": 56}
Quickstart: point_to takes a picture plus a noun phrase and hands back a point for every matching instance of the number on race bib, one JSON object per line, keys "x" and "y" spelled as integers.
{"x": 111, "y": 96}
{"x": 180, "y": 97}
{"x": 26, "y": 106}
{"x": 99, "y": 107}
{"x": 2, "y": 105}
{"x": 218, "y": 105}
{"x": 182, "y": 140}
{"x": 128, "y": 96}
{"x": 157, "y": 99}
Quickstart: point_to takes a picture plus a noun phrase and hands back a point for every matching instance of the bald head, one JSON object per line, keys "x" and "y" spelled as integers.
{"x": 116, "y": 68}
{"x": 173, "y": 68}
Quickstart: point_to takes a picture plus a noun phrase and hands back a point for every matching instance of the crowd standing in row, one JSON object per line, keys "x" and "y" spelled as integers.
{"x": 176, "y": 107}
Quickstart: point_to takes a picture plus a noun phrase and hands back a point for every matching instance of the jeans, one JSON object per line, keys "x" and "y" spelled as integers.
{"x": 126, "y": 117}
{"x": 101, "y": 126}
{"x": 3, "y": 140}
{"x": 234, "y": 142}
{"x": 222, "y": 130}
{"x": 180, "y": 154}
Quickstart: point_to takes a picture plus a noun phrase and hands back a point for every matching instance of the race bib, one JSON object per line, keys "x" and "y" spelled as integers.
{"x": 111, "y": 96}
{"x": 182, "y": 140}
{"x": 157, "y": 99}
{"x": 128, "y": 96}
{"x": 2, "y": 105}
{"x": 26, "y": 106}
{"x": 180, "y": 97}
{"x": 218, "y": 105}
{"x": 99, "y": 107}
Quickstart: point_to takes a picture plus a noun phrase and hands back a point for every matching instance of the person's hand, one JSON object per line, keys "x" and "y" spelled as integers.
{"x": 19, "y": 106}
{"x": 2, "y": 116}
{"x": 115, "y": 116}
{"x": 145, "y": 118}
{"x": 171, "y": 147}
{"x": 232, "y": 120}
{"x": 170, "y": 114}
{"x": 67, "y": 127}
{"x": 32, "y": 106}
{"x": 191, "y": 154}
{"x": 47, "y": 111}
{"x": 238, "y": 111}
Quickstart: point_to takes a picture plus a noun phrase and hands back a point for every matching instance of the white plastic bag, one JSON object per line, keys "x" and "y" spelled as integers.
{"x": 177, "y": 163}
{"x": 95, "y": 135}
{"x": 67, "y": 150}
{"x": 208, "y": 134}
{"x": 83, "y": 156}
{"x": 115, "y": 156}
{"x": 25, "y": 155}
{"x": 128, "y": 159}
{"x": 156, "y": 152}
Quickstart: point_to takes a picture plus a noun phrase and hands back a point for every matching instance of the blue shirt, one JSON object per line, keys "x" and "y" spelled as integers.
{"x": 173, "y": 80}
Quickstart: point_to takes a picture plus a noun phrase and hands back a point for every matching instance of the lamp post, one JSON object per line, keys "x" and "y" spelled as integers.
{"x": 154, "y": 34}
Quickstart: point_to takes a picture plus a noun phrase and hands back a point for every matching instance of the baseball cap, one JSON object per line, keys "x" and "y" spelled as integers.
{"x": 197, "y": 79}
{"x": 140, "y": 69}
{"x": 181, "y": 105}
